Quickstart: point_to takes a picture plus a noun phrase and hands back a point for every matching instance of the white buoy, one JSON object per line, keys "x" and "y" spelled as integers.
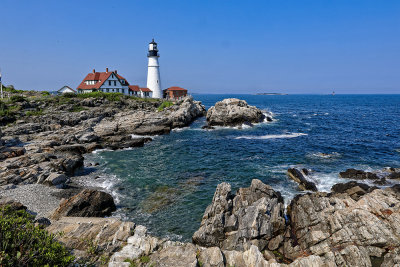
{"x": 153, "y": 71}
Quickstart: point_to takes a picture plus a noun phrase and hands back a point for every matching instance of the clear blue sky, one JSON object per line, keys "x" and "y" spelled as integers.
{"x": 206, "y": 46}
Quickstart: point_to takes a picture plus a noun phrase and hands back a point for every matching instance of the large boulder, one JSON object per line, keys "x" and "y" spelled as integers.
{"x": 233, "y": 112}
{"x": 299, "y": 176}
{"x": 88, "y": 203}
{"x": 254, "y": 216}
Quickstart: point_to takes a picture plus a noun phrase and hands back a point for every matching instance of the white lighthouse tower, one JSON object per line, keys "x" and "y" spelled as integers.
{"x": 153, "y": 71}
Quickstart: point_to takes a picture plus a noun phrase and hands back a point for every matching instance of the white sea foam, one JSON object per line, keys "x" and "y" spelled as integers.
{"x": 319, "y": 155}
{"x": 180, "y": 129}
{"x": 272, "y": 136}
{"x": 100, "y": 150}
{"x": 135, "y": 136}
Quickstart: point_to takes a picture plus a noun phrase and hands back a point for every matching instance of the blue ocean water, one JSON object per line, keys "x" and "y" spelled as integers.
{"x": 167, "y": 184}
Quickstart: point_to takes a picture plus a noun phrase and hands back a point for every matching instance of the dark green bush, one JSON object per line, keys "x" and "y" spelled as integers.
{"x": 17, "y": 98}
{"x": 45, "y": 93}
{"x": 24, "y": 244}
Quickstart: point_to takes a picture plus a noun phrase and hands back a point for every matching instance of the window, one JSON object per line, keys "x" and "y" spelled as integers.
{"x": 107, "y": 90}
{"x": 123, "y": 91}
{"x": 109, "y": 82}
{"x": 115, "y": 83}
{"x": 117, "y": 90}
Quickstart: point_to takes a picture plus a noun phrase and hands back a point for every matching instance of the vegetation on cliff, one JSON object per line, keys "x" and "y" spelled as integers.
{"x": 22, "y": 243}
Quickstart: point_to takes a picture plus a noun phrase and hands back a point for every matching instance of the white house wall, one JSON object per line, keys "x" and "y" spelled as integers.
{"x": 117, "y": 88}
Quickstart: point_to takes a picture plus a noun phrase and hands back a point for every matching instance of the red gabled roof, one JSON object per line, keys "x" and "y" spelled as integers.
{"x": 175, "y": 88}
{"x": 145, "y": 90}
{"x": 134, "y": 88}
{"x": 101, "y": 77}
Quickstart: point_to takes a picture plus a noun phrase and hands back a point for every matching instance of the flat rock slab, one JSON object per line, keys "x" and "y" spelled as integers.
{"x": 78, "y": 232}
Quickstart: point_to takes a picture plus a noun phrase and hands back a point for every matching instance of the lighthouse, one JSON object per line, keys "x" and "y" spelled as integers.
{"x": 153, "y": 71}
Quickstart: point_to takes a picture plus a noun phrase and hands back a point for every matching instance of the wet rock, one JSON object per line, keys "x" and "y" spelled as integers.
{"x": 354, "y": 189}
{"x": 160, "y": 198}
{"x": 233, "y": 112}
{"x": 88, "y": 203}
{"x": 299, "y": 176}
{"x": 208, "y": 127}
{"x": 358, "y": 175}
{"x": 253, "y": 216}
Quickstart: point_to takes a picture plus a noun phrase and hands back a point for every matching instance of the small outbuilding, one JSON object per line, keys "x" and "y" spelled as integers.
{"x": 66, "y": 89}
{"x": 175, "y": 92}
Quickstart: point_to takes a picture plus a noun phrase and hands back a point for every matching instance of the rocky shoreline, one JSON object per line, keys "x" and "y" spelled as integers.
{"x": 354, "y": 225}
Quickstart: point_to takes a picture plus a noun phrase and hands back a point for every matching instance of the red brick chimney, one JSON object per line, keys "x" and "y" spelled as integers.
{"x": 106, "y": 69}
{"x": 94, "y": 71}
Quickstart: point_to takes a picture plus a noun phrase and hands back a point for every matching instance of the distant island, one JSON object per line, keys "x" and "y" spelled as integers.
{"x": 270, "y": 94}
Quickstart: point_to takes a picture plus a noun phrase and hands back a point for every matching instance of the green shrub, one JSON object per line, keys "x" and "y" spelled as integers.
{"x": 145, "y": 259}
{"x": 45, "y": 93}
{"x": 165, "y": 105}
{"x": 17, "y": 98}
{"x": 78, "y": 108}
{"x": 34, "y": 112}
{"x": 24, "y": 244}
{"x": 69, "y": 95}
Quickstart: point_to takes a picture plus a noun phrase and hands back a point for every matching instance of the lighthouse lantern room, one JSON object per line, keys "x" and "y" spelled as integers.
{"x": 153, "y": 71}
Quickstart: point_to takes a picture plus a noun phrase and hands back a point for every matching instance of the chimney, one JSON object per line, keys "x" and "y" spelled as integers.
{"x": 115, "y": 71}
{"x": 94, "y": 71}
{"x": 106, "y": 69}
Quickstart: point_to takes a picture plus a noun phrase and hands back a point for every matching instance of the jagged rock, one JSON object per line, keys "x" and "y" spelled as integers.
{"x": 233, "y": 112}
{"x": 88, "y": 203}
{"x": 140, "y": 244}
{"x": 253, "y": 216}
{"x": 211, "y": 257}
{"x": 358, "y": 174}
{"x": 339, "y": 229}
{"x": 299, "y": 176}
{"x": 180, "y": 255}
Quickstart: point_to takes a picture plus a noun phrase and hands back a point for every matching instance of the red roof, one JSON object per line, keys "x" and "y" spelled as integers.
{"x": 101, "y": 77}
{"x": 145, "y": 90}
{"x": 175, "y": 88}
{"x": 134, "y": 88}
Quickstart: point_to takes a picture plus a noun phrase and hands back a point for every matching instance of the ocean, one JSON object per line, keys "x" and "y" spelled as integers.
{"x": 167, "y": 184}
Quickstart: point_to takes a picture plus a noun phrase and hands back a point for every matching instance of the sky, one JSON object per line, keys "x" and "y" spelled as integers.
{"x": 284, "y": 46}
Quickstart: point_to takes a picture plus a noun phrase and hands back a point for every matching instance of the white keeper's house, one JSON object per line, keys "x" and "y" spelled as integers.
{"x": 110, "y": 82}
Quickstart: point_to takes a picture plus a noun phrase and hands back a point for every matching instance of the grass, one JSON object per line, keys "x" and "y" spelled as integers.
{"x": 165, "y": 104}
{"x": 34, "y": 113}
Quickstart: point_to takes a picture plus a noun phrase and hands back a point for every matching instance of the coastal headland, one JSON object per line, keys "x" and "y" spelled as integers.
{"x": 44, "y": 140}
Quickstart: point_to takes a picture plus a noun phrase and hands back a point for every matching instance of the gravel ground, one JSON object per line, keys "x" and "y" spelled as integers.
{"x": 40, "y": 200}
